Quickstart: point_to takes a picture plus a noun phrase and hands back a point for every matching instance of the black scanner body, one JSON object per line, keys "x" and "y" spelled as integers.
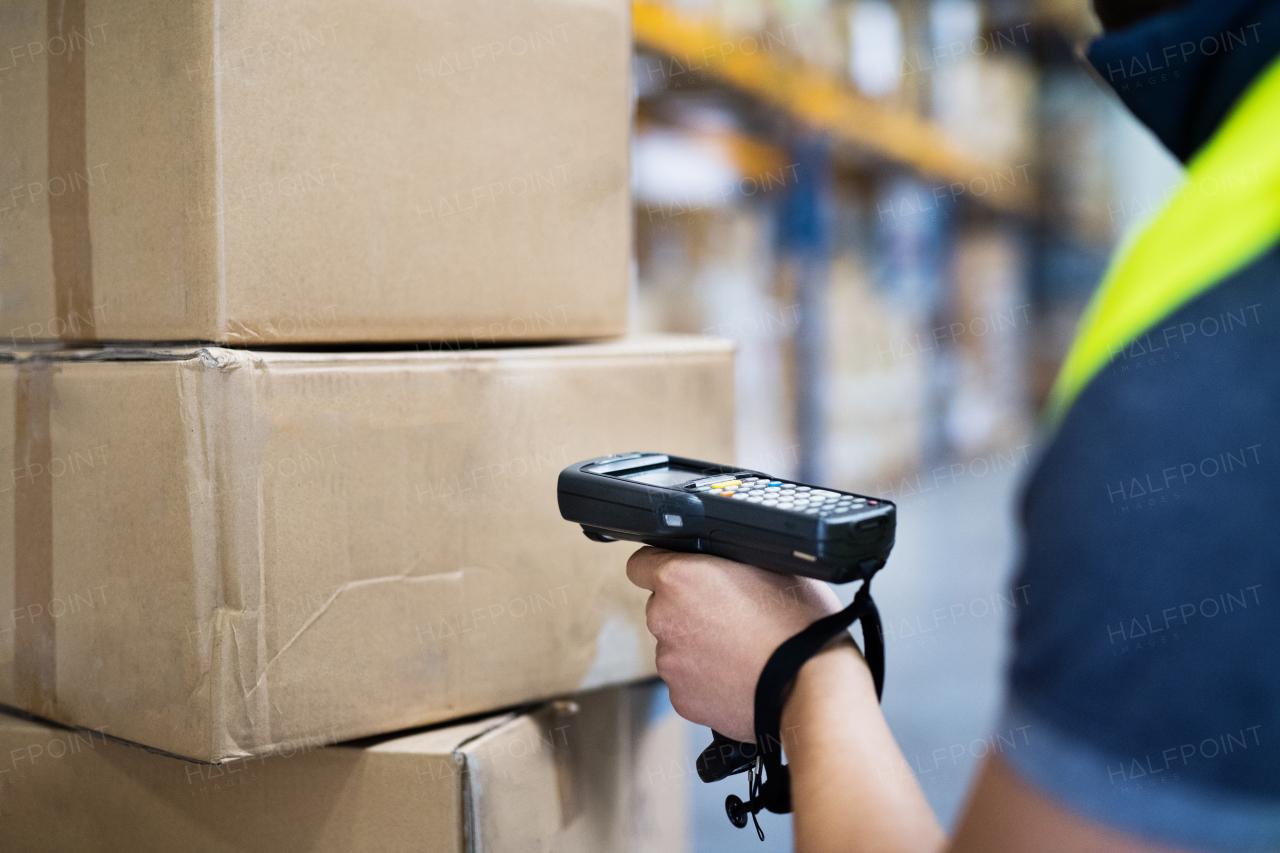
{"x": 839, "y": 548}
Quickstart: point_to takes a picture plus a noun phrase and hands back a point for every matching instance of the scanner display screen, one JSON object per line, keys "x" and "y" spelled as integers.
{"x": 667, "y": 476}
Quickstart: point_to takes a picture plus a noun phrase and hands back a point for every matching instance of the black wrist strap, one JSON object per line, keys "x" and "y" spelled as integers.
{"x": 771, "y": 785}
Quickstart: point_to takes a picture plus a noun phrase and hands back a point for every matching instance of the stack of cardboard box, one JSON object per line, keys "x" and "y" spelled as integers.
{"x": 309, "y": 303}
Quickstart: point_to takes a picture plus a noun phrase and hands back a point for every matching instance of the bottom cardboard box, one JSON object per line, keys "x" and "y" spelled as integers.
{"x": 590, "y": 773}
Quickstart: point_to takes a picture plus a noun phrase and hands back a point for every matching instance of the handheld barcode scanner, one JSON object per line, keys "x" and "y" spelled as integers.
{"x": 699, "y": 507}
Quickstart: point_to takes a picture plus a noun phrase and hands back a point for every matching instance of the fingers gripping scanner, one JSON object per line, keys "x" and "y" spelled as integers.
{"x": 700, "y": 507}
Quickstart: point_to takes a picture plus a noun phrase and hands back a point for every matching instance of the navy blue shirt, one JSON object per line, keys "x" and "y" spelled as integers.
{"x": 1147, "y": 655}
{"x": 1146, "y": 660}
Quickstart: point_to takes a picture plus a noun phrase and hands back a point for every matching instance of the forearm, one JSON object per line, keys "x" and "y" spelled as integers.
{"x": 851, "y": 788}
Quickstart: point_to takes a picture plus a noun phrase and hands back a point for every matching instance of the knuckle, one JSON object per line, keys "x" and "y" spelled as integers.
{"x": 660, "y": 575}
{"x": 651, "y": 618}
{"x": 634, "y": 564}
{"x": 666, "y": 660}
{"x": 662, "y": 663}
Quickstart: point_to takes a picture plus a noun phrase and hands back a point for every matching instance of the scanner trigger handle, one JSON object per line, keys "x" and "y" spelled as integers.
{"x": 725, "y": 757}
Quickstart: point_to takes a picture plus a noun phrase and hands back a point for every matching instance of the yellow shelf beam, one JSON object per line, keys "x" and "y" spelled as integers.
{"x": 820, "y": 100}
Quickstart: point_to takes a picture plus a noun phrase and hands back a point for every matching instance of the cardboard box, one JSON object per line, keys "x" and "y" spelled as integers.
{"x": 570, "y": 776}
{"x": 219, "y": 552}
{"x": 290, "y": 172}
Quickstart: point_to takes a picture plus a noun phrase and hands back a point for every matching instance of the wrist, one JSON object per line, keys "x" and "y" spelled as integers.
{"x": 827, "y": 684}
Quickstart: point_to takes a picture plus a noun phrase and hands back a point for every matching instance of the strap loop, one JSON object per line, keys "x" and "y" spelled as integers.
{"x": 774, "y": 792}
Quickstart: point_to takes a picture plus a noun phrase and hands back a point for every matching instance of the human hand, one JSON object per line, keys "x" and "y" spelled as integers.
{"x": 717, "y": 622}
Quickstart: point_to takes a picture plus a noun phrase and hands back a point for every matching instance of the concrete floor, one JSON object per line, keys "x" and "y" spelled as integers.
{"x": 945, "y": 600}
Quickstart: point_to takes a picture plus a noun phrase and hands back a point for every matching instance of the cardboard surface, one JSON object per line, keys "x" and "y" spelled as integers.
{"x": 335, "y": 171}
{"x": 219, "y": 553}
{"x": 582, "y": 775}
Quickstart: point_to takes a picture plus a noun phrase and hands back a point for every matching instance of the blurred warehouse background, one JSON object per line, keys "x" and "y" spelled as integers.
{"x": 897, "y": 209}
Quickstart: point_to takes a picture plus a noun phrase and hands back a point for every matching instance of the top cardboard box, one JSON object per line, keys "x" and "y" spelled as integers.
{"x": 314, "y": 172}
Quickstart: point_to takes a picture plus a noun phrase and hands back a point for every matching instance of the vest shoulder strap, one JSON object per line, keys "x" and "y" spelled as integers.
{"x": 1223, "y": 216}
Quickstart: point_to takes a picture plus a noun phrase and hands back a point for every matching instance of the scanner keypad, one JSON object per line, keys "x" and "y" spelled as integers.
{"x": 788, "y": 497}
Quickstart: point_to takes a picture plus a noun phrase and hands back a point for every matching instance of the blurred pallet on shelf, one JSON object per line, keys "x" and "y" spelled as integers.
{"x": 763, "y": 67}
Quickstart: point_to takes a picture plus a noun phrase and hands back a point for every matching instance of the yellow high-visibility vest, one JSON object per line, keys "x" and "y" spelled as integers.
{"x": 1225, "y": 214}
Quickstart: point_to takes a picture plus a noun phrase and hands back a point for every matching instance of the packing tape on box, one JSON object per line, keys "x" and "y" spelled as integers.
{"x": 34, "y": 650}
{"x": 68, "y": 154}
